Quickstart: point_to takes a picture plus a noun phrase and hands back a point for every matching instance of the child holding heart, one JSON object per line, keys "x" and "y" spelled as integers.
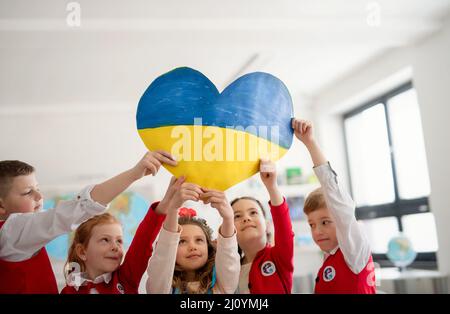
{"x": 185, "y": 258}
{"x": 264, "y": 268}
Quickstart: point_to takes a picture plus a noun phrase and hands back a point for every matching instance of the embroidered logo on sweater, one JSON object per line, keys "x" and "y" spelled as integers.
{"x": 120, "y": 288}
{"x": 268, "y": 268}
{"x": 329, "y": 273}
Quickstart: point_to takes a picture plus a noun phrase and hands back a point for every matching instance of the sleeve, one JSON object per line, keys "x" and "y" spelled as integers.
{"x": 22, "y": 235}
{"x": 228, "y": 264}
{"x": 162, "y": 263}
{"x": 141, "y": 248}
{"x": 352, "y": 240}
{"x": 283, "y": 250}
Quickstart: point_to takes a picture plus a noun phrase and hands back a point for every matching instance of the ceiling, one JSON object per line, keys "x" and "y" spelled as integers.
{"x": 121, "y": 46}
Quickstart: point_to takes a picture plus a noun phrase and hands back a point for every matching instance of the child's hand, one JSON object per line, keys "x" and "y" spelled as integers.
{"x": 268, "y": 173}
{"x": 151, "y": 162}
{"x": 303, "y": 130}
{"x": 174, "y": 185}
{"x": 219, "y": 201}
{"x": 186, "y": 192}
{"x": 177, "y": 193}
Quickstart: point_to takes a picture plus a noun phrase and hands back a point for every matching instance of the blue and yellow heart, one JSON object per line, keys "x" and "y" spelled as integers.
{"x": 217, "y": 138}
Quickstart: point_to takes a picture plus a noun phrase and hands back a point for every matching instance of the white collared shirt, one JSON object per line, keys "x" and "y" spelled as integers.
{"x": 332, "y": 252}
{"x": 77, "y": 279}
{"x": 351, "y": 238}
{"x": 24, "y": 234}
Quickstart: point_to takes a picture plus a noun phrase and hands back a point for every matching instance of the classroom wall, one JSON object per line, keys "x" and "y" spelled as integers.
{"x": 432, "y": 79}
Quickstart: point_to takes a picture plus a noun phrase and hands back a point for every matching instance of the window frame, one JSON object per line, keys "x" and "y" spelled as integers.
{"x": 399, "y": 207}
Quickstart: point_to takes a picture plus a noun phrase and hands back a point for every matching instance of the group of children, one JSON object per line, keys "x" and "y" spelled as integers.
{"x": 185, "y": 258}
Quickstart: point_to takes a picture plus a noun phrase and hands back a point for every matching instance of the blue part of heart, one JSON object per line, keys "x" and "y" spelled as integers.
{"x": 253, "y": 100}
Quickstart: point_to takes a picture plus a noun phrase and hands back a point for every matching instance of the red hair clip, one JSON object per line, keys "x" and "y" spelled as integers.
{"x": 187, "y": 212}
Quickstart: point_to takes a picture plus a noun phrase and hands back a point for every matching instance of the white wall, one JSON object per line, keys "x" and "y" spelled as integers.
{"x": 432, "y": 80}
{"x": 427, "y": 63}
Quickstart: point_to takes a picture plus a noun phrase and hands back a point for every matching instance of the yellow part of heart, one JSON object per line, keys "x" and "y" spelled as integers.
{"x": 212, "y": 157}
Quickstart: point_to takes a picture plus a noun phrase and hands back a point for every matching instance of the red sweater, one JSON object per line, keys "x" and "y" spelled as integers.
{"x": 34, "y": 275}
{"x": 336, "y": 277}
{"x": 273, "y": 267}
{"x": 127, "y": 277}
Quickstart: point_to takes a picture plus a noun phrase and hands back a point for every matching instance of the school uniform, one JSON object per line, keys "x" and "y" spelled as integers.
{"x": 22, "y": 277}
{"x": 24, "y": 264}
{"x": 348, "y": 268}
{"x": 273, "y": 267}
{"x": 126, "y": 279}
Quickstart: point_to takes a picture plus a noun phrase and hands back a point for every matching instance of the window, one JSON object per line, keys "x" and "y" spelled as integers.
{"x": 407, "y": 139}
{"x": 371, "y": 185}
{"x": 379, "y": 240}
{"x": 426, "y": 239}
{"x": 389, "y": 174}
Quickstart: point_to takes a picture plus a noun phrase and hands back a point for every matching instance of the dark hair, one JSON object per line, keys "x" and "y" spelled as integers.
{"x": 204, "y": 274}
{"x": 250, "y": 198}
{"x": 9, "y": 169}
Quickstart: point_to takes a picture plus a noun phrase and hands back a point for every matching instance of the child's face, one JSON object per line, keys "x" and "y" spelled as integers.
{"x": 104, "y": 251}
{"x": 23, "y": 197}
{"x": 249, "y": 221}
{"x": 192, "y": 252}
{"x": 323, "y": 229}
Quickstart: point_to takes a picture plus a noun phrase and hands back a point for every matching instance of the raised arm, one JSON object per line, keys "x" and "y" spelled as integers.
{"x": 228, "y": 264}
{"x": 227, "y": 261}
{"x": 162, "y": 263}
{"x": 105, "y": 192}
{"x": 141, "y": 248}
{"x": 283, "y": 250}
{"x": 351, "y": 238}
{"x": 23, "y": 235}
{"x": 278, "y": 206}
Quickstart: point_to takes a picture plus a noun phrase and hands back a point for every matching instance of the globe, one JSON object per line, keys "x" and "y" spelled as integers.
{"x": 400, "y": 251}
{"x": 129, "y": 207}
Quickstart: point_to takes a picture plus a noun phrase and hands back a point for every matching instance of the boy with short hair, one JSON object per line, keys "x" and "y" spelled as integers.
{"x": 348, "y": 265}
